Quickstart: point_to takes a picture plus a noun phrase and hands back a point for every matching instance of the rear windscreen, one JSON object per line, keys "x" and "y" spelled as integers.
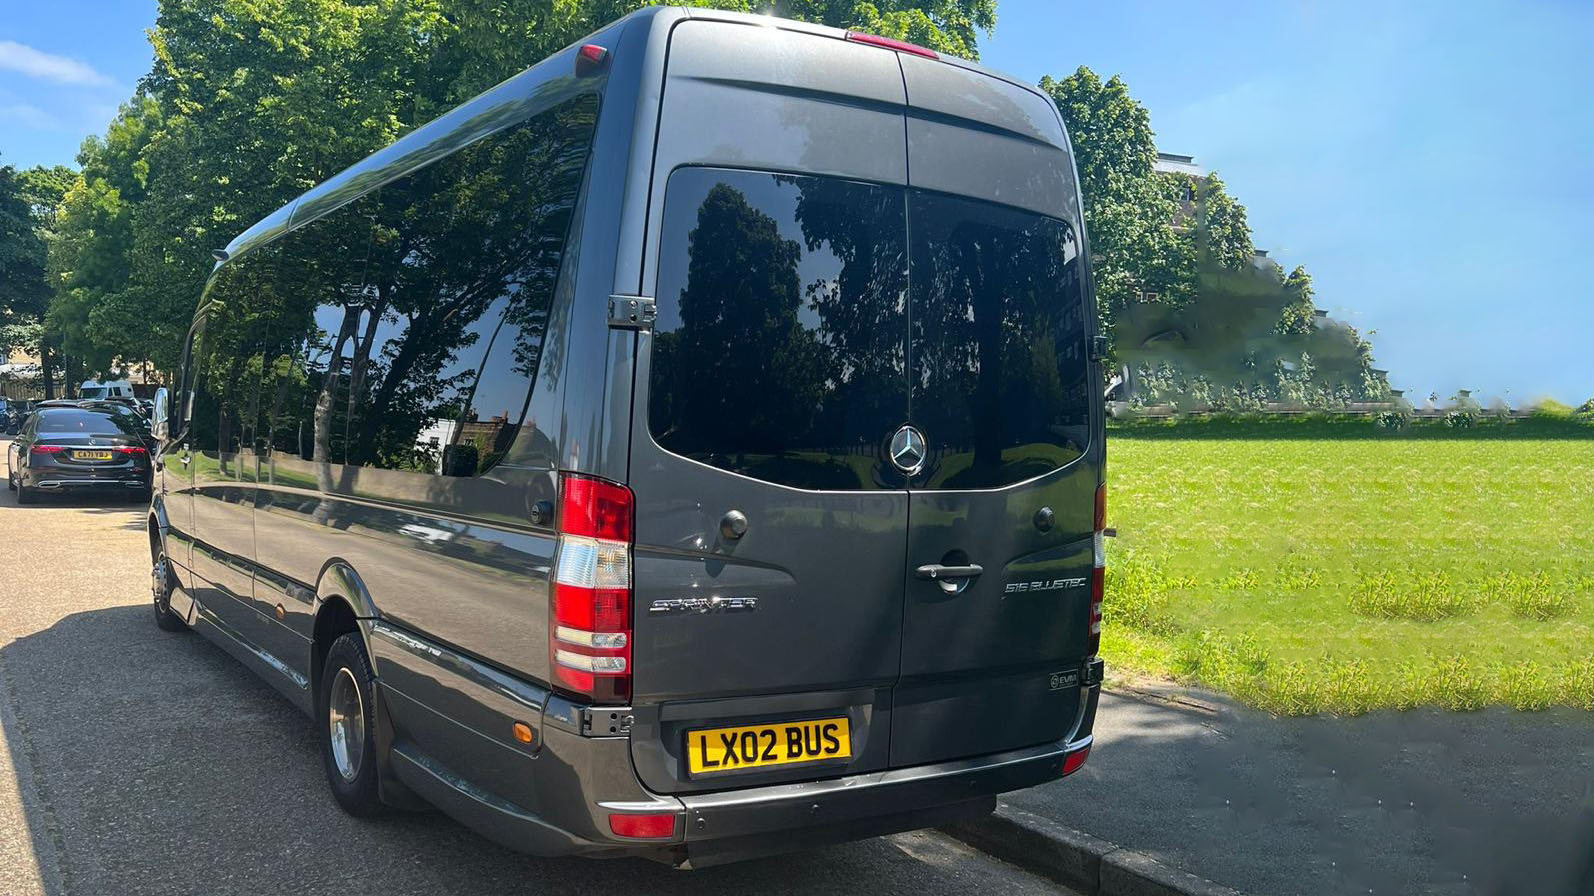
{"x": 60, "y": 421}
{"x": 779, "y": 351}
{"x": 999, "y": 340}
{"x": 803, "y": 320}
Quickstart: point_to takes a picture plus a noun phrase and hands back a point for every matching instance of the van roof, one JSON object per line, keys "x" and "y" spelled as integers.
{"x": 1023, "y": 111}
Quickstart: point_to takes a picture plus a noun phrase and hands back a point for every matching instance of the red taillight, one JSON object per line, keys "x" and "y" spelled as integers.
{"x": 642, "y": 827}
{"x": 594, "y": 508}
{"x": 1074, "y": 760}
{"x": 590, "y": 610}
{"x": 1098, "y": 573}
{"x": 46, "y": 449}
{"x": 891, "y": 43}
{"x": 134, "y": 450}
{"x": 590, "y": 59}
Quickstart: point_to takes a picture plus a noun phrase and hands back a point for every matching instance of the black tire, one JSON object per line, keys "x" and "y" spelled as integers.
{"x": 162, "y": 582}
{"x": 25, "y": 494}
{"x": 347, "y": 667}
{"x": 11, "y": 481}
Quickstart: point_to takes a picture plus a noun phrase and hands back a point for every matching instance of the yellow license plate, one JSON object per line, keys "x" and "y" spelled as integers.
{"x": 91, "y": 455}
{"x": 780, "y": 743}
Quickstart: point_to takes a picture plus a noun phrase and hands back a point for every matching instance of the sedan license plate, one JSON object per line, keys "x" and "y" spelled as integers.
{"x": 91, "y": 455}
{"x": 779, "y": 743}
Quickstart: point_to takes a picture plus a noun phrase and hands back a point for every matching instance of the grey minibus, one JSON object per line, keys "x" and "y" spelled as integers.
{"x": 690, "y": 448}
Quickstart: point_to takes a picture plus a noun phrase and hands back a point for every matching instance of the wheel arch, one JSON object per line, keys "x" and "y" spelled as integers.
{"x": 157, "y": 526}
{"x": 343, "y": 604}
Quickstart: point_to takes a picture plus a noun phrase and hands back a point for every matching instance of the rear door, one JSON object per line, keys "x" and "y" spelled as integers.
{"x": 776, "y": 373}
{"x": 773, "y": 375}
{"x": 1001, "y": 509}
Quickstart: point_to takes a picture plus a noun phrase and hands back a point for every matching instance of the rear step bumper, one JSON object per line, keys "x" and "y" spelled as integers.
{"x": 724, "y": 827}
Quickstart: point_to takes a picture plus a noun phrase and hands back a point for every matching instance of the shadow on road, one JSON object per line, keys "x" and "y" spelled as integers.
{"x": 111, "y": 505}
{"x": 1424, "y": 801}
{"x": 165, "y": 766}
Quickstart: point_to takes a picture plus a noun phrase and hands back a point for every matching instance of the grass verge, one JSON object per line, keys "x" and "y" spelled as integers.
{"x": 1341, "y": 575}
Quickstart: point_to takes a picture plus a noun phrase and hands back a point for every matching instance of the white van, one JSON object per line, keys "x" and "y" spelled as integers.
{"x": 108, "y": 389}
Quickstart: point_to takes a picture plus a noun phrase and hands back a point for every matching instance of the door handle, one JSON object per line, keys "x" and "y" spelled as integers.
{"x": 935, "y": 571}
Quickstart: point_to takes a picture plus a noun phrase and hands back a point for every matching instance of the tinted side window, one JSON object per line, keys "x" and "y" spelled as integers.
{"x": 999, "y": 339}
{"x": 222, "y": 377}
{"x": 779, "y": 347}
{"x": 416, "y": 323}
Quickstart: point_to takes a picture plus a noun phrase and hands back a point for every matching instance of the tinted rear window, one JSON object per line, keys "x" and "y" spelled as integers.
{"x": 1000, "y": 380}
{"x": 779, "y": 349}
{"x": 77, "y": 420}
{"x": 785, "y": 307}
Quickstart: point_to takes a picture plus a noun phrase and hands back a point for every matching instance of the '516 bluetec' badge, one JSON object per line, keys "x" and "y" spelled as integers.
{"x": 1045, "y": 585}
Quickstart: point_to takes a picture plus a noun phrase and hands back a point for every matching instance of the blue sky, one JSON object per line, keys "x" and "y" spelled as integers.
{"x": 1425, "y": 160}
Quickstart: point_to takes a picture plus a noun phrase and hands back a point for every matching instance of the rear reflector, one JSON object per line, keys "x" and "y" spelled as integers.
{"x": 590, "y": 610}
{"x": 891, "y": 43}
{"x": 642, "y": 827}
{"x": 1074, "y": 760}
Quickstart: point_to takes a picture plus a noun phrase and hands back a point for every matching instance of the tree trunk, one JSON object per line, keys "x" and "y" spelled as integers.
{"x": 46, "y": 369}
{"x": 323, "y": 414}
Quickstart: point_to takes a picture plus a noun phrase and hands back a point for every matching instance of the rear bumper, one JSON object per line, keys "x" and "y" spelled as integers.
{"x": 735, "y": 825}
{"x": 57, "y": 478}
{"x": 56, "y": 483}
{"x": 557, "y": 799}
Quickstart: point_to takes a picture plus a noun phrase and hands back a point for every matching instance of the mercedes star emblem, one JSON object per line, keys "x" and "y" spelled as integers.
{"x": 907, "y": 450}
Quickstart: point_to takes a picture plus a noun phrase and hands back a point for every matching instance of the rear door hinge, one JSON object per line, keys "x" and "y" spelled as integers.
{"x": 631, "y": 312}
{"x": 606, "y": 721}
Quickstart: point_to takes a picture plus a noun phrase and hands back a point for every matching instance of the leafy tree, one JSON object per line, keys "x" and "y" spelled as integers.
{"x": 23, "y": 290}
{"x": 27, "y": 229}
{"x": 947, "y": 26}
{"x": 94, "y": 314}
{"x": 1129, "y": 211}
{"x": 1298, "y": 315}
{"x": 1222, "y": 233}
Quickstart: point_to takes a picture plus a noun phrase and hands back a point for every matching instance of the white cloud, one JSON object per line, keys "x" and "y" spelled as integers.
{"x": 49, "y": 67}
{"x": 29, "y": 116}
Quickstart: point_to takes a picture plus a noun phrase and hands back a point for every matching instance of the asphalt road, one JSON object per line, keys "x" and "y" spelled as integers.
{"x": 135, "y": 761}
{"x": 1449, "y": 804}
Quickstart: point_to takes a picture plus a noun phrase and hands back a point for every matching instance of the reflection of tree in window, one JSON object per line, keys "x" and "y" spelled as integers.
{"x": 779, "y": 347}
{"x": 739, "y": 311}
{"x": 421, "y": 308}
{"x": 998, "y": 336}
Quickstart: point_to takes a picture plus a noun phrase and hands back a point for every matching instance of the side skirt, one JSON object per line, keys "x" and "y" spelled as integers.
{"x": 277, "y": 673}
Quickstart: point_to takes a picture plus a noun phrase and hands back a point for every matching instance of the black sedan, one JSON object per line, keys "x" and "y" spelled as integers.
{"x": 84, "y": 445}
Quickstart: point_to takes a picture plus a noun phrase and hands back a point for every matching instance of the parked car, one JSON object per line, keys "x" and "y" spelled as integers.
{"x": 73, "y": 446}
{"x": 711, "y": 463}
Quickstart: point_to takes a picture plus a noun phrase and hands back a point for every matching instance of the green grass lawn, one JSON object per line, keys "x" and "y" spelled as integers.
{"x": 1321, "y": 573}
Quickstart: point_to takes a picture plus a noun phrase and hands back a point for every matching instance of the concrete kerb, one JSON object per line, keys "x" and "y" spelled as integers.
{"x": 1075, "y": 859}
